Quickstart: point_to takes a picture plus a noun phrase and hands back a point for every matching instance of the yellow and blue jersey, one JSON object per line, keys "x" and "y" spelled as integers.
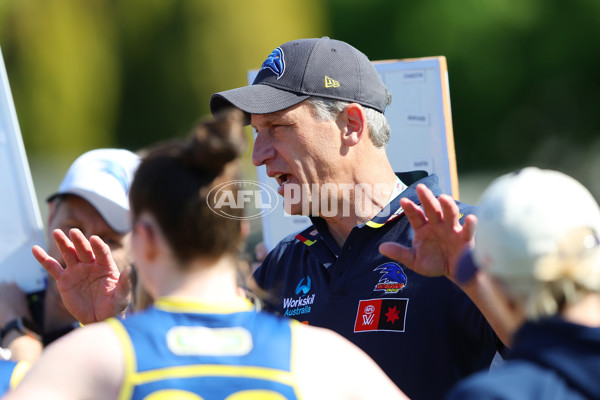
{"x": 187, "y": 350}
{"x": 11, "y": 373}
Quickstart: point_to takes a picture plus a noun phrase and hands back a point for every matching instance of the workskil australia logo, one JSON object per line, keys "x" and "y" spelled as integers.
{"x": 242, "y": 199}
{"x": 300, "y": 304}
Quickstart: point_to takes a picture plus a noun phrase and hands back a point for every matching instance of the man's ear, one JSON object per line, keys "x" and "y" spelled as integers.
{"x": 356, "y": 124}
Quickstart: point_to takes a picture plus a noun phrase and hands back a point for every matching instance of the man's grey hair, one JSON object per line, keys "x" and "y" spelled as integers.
{"x": 328, "y": 109}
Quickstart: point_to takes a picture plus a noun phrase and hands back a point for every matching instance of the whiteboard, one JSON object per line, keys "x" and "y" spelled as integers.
{"x": 20, "y": 220}
{"x": 422, "y": 138}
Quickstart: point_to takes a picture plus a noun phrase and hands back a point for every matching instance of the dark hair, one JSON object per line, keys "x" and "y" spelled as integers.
{"x": 174, "y": 178}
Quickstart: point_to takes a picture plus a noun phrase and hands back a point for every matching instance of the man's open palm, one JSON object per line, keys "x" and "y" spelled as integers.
{"x": 91, "y": 286}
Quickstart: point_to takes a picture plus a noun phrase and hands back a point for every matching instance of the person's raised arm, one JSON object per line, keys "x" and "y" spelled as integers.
{"x": 439, "y": 240}
{"x": 91, "y": 286}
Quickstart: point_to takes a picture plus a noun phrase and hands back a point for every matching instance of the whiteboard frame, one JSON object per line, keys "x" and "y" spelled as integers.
{"x": 25, "y": 226}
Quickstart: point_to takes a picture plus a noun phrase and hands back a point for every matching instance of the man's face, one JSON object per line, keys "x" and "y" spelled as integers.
{"x": 75, "y": 212}
{"x": 297, "y": 150}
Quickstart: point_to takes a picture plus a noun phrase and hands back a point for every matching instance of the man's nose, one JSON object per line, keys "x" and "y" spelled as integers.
{"x": 262, "y": 151}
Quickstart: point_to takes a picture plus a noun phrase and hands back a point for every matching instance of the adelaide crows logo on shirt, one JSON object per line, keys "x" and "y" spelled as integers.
{"x": 275, "y": 62}
{"x": 392, "y": 280}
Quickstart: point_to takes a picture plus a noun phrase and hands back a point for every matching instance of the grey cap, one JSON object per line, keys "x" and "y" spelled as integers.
{"x": 302, "y": 68}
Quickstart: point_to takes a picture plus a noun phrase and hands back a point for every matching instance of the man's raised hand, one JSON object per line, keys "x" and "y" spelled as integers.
{"x": 91, "y": 286}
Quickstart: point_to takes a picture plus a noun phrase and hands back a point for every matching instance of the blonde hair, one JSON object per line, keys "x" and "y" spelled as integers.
{"x": 561, "y": 278}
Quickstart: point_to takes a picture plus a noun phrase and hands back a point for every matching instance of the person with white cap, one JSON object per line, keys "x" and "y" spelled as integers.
{"x": 93, "y": 196}
{"x": 545, "y": 267}
{"x": 543, "y": 271}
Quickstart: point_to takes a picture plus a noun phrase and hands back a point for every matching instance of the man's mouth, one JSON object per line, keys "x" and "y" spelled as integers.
{"x": 282, "y": 179}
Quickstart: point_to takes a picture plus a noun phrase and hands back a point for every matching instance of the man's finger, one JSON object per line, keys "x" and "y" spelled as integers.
{"x": 449, "y": 210}
{"x": 430, "y": 204}
{"x": 66, "y": 247}
{"x": 82, "y": 246}
{"x": 413, "y": 212}
{"x": 469, "y": 228}
{"x": 397, "y": 252}
{"x": 50, "y": 264}
{"x": 102, "y": 251}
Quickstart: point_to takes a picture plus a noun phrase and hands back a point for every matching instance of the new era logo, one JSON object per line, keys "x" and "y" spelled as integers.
{"x": 330, "y": 83}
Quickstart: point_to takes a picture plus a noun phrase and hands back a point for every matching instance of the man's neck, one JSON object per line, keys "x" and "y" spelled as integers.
{"x": 341, "y": 225}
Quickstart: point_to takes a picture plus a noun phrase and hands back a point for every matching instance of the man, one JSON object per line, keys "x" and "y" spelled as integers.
{"x": 317, "y": 107}
{"x": 93, "y": 197}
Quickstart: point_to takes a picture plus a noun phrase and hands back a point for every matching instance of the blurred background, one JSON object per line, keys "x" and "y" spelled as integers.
{"x": 105, "y": 73}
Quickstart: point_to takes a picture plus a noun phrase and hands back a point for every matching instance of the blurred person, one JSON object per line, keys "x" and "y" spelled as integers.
{"x": 541, "y": 274}
{"x": 201, "y": 338}
{"x": 545, "y": 270}
{"x": 19, "y": 345}
{"x": 93, "y": 198}
{"x": 317, "y": 106}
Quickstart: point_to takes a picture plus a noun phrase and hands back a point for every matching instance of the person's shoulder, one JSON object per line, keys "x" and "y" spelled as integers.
{"x": 432, "y": 182}
{"x": 351, "y": 374}
{"x": 291, "y": 243}
{"x": 87, "y": 362}
{"x": 295, "y": 238}
{"x": 479, "y": 386}
{"x": 514, "y": 379}
{"x": 465, "y": 209}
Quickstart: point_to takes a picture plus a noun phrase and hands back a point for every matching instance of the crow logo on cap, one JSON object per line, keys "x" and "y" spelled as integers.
{"x": 275, "y": 62}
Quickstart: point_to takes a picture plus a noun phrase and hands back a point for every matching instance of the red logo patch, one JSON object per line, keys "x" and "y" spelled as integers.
{"x": 381, "y": 315}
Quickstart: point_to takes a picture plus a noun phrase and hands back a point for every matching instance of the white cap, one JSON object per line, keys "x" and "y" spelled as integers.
{"x": 102, "y": 177}
{"x": 524, "y": 216}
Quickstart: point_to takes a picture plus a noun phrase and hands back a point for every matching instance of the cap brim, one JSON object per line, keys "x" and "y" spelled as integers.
{"x": 114, "y": 215}
{"x": 466, "y": 267}
{"x": 255, "y": 99}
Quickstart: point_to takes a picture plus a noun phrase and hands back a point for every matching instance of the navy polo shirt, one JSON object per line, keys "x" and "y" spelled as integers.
{"x": 425, "y": 333}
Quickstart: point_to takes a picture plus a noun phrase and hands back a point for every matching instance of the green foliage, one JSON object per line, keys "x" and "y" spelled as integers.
{"x": 523, "y": 74}
{"x": 62, "y": 73}
{"x": 126, "y": 73}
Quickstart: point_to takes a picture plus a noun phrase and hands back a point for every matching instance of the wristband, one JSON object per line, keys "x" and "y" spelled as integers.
{"x": 22, "y": 325}
{"x": 466, "y": 268}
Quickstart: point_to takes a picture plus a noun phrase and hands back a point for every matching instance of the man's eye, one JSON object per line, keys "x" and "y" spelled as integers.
{"x": 67, "y": 228}
{"x": 111, "y": 242}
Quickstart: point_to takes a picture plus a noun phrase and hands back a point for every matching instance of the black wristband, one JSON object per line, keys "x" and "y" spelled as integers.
{"x": 22, "y": 325}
